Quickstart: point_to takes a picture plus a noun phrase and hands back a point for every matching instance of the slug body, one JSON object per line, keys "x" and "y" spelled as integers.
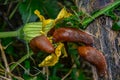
{"x": 93, "y": 56}
{"x": 72, "y": 35}
{"x": 41, "y": 43}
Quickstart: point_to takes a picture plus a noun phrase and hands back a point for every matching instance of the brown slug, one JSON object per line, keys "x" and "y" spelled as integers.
{"x": 72, "y": 35}
{"x": 41, "y": 43}
{"x": 95, "y": 57}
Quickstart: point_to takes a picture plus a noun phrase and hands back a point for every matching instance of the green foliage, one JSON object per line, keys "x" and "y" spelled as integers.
{"x": 76, "y": 75}
{"x": 27, "y": 64}
{"x": 112, "y": 15}
{"x": 27, "y": 8}
{"x": 115, "y": 17}
{"x": 116, "y": 26}
{"x": 50, "y": 9}
{"x": 72, "y": 21}
{"x": 55, "y": 70}
{"x": 7, "y": 43}
{"x": 46, "y": 7}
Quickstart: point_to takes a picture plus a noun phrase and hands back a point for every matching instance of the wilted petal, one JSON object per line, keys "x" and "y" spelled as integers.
{"x": 58, "y": 49}
{"x": 64, "y": 52}
{"x": 39, "y": 15}
{"x": 50, "y": 60}
{"x": 62, "y": 14}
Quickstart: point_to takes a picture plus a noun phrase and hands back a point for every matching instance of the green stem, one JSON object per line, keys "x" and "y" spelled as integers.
{"x": 97, "y": 14}
{"x": 17, "y": 33}
{"x": 8, "y": 34}
{"x": 12, "y": 67}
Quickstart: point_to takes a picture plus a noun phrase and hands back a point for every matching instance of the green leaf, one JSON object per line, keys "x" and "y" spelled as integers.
{"x": 116, "y": 26}
{"x": 51, "y": 8}
{"x": 27, "y": 64}
{"x": 27, "y": 8}
{"x": 10, "y": 49}
{"x": 81, "y": 76}
{"x": 55, "y": 78}
{"x": 111, "y": 14}
{"x": 46, "y": 7}
{"x": 73, "y": 74}
{"x": 38, "y": 77}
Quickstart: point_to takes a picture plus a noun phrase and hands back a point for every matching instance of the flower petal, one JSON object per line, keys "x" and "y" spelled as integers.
{"x": 50, "y": 60}
{"x": 62, "y": 14}
{"x": 64, "y": 52}
{"x": 39, "y": 15}
{"x": 58, "y": 49}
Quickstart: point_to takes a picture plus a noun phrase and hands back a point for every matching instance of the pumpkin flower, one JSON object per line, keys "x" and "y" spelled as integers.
{"x": 47, "y": 24}
{"x": 34, "y": 29}
{"x": 62, "y": 14}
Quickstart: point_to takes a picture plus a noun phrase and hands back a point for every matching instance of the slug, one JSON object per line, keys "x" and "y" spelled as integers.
{"x": 41, "y": 43}
{"x": 72, "y": 35}
{"x": 95, "y": 57}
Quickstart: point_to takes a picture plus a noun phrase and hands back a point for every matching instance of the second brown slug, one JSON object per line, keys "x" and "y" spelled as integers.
{"x": 72, "y": 35}
{"x": 41, "y": 43}
{"x": 95, "y": 57}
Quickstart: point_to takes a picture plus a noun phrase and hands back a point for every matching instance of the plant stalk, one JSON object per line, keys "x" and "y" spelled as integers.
{"x": 17, "y": 33}
{"x": 8, "y": 34}
{"x": 97, "y": 14}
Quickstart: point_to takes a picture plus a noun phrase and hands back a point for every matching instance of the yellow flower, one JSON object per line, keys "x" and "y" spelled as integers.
{"x": 34, "y": 29}
{"x": 38, "y": 14}
{"x": 62, "y": 14}
{"x": 52, "y": 59}
{"x": 47, "y": 24}
{"x": 58, "y": 49}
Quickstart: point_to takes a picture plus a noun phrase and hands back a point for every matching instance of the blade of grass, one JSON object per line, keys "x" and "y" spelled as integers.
{"x": 14, "y": 10}
{"x": 97, "y": 14}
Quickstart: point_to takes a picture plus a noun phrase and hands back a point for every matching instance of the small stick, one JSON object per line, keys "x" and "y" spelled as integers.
{"x": 5, "y": 61}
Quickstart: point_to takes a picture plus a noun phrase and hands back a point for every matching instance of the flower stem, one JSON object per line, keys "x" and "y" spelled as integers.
{"x": 97, "y": 14}
{"x": 10, "y": 34}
